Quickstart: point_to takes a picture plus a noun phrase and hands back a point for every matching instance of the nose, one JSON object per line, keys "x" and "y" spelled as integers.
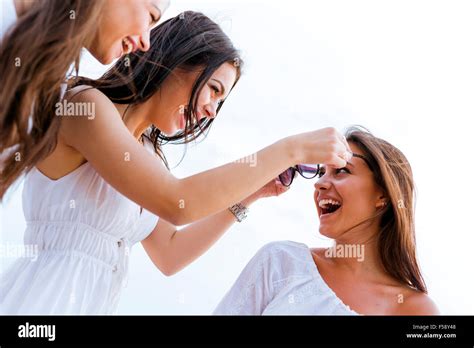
{"x": 322, "y": 184}
{"x": 210, "y": 110}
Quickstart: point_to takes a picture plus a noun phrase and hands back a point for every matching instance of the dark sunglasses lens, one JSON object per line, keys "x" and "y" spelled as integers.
{"x": 286, "y": 177}
{"x": 308, "y": 171}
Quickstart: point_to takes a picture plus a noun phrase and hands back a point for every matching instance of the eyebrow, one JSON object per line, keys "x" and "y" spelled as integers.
{"x": 364, "y": 159}
{"x": 222, "y": 86}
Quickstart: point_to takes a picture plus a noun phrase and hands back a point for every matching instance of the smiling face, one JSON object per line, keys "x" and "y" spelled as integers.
{"x": 125, "y": 27}
{"x": 347, "y": 196}
{"x": 168, "y": 103}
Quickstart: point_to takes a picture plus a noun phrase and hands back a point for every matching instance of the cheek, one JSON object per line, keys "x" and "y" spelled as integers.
{"x": 357, "y": 196}
{"x": 124, "y": 21}
{"x": 205, "y": 96}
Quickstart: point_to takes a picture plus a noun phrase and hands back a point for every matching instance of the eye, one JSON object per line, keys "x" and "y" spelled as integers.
{"x": 343, "y": 170}
{"x": 153, "y": 19}
{"x": 321, "y": 173}
{"x": 215, "y": 89}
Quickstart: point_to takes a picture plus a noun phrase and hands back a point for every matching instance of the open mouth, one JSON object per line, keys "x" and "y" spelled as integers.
{"x": 329, "y": 206}
{"x": 127, "y": 45}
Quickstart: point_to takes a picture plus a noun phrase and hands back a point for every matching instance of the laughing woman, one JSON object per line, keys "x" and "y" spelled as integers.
{"x": 100, "y": 191}
{"x": 367, "y": 208}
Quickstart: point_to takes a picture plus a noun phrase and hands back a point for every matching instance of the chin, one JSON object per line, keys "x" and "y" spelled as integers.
{"x": 326, "y": 233}
{"x": 170, "y": 132}
{"x": 104, "y": 59}
{"x": 110, "y": 55}
{"x": 330, "y": 231}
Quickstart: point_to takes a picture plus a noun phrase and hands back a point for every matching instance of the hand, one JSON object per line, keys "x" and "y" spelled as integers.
{"x": 271, "y": 189}
{"x": 324, "y": 146}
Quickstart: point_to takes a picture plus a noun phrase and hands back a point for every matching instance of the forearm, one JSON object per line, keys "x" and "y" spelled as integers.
{"x": 189, "y": 243}
{"x": 209, "y": 192}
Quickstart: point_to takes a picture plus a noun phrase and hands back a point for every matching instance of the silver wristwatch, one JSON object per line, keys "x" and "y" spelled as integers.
{"x": 239, "y": 211}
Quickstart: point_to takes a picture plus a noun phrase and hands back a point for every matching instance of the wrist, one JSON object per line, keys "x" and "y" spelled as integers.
{"x": 290, "y": 149}
{"x": 239, "y": 210}
{"x": 247, "y": 202}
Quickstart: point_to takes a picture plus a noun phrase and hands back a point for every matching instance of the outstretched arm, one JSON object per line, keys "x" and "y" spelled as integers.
{"x": 171, "y": 249}
{"x": 118, "y": 157}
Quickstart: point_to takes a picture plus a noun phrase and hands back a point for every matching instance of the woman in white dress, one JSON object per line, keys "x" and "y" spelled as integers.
{"x": 98, "y": 193}
{"x": 367, "y": 207}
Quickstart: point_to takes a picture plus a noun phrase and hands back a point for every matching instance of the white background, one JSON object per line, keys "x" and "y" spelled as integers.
{"x": 404, "y": 69}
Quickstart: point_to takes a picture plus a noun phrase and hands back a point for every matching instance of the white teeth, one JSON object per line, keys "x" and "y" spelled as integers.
{"x": 129, "y": 45}
{"x": 323, "y": 203}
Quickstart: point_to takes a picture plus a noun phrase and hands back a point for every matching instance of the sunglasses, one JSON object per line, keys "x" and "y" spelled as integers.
{"x": 308, "y": 171}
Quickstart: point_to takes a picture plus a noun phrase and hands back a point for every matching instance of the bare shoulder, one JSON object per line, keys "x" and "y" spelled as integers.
{"x": 318, "y": 251}
{"x": 418, "y": 303}
{"x": 319, "y": 254}
{"x": 77, "y": 111}
{"x": 85, "y": 111}
{"x": 88, "y": 102}
{"x": 85, "y": 93}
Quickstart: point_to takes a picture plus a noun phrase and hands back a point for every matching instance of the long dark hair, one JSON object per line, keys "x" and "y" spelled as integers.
{"x": 36, "y": 54}
{"x": 396, "y": 238}
{"x": 189, "y": 41}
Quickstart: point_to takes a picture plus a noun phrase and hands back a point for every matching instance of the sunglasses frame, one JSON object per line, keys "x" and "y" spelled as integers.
{"x": 298, "y": 168}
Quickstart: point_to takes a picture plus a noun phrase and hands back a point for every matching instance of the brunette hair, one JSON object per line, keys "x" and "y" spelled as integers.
{"x": 36, "y": 55}
{"x": 396, "y": 239}
{"x": 189, "y": 41}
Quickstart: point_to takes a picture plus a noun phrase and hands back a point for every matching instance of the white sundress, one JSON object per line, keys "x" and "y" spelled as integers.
{"x": 83, "y": 230}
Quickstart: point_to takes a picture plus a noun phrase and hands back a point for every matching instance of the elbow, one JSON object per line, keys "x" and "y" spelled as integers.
{"x": 179, "y": 209}
{"x": 178, "y": 219}
{"x": 177, "y": 213}
{"x": 181, "y": 217}
{"x": 167, "y": 273}
{"x": 167, "y": 270}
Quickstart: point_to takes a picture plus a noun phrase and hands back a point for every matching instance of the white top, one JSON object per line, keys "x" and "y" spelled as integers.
{"x": 7, "y": 15}
{"x": 83, "y": 229}
{"x": 282, "y": 278}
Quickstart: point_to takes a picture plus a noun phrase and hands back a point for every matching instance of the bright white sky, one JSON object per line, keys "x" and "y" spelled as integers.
{"x": 403, "y": 69}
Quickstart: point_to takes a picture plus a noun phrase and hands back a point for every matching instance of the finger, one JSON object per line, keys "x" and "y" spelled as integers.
{"x": 337, "y": 162}
{"x": 344, "y": 141}
{"x": 348, "y": 150}
{"x": 281, "y": 189}
{"x": 344, "y": 154}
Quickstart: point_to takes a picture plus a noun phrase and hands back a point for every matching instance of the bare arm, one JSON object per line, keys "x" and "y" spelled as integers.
{"x": 171, "y": 249}
{"x": 111, "y": 149}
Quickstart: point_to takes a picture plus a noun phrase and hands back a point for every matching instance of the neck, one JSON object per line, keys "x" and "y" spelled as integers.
{"x": 134, "y": 118}
{"x": 358, "y": 253}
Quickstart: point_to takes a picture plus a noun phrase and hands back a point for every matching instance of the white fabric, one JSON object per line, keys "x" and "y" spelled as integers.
{"x": 282, "y": 279}
{"x": 7, "y": 16}
{"x": 84, "y": 230}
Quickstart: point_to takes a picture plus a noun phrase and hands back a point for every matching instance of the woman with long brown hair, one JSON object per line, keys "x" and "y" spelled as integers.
{"x": 40, "y": 49}
{"x": 367, "y": 208}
